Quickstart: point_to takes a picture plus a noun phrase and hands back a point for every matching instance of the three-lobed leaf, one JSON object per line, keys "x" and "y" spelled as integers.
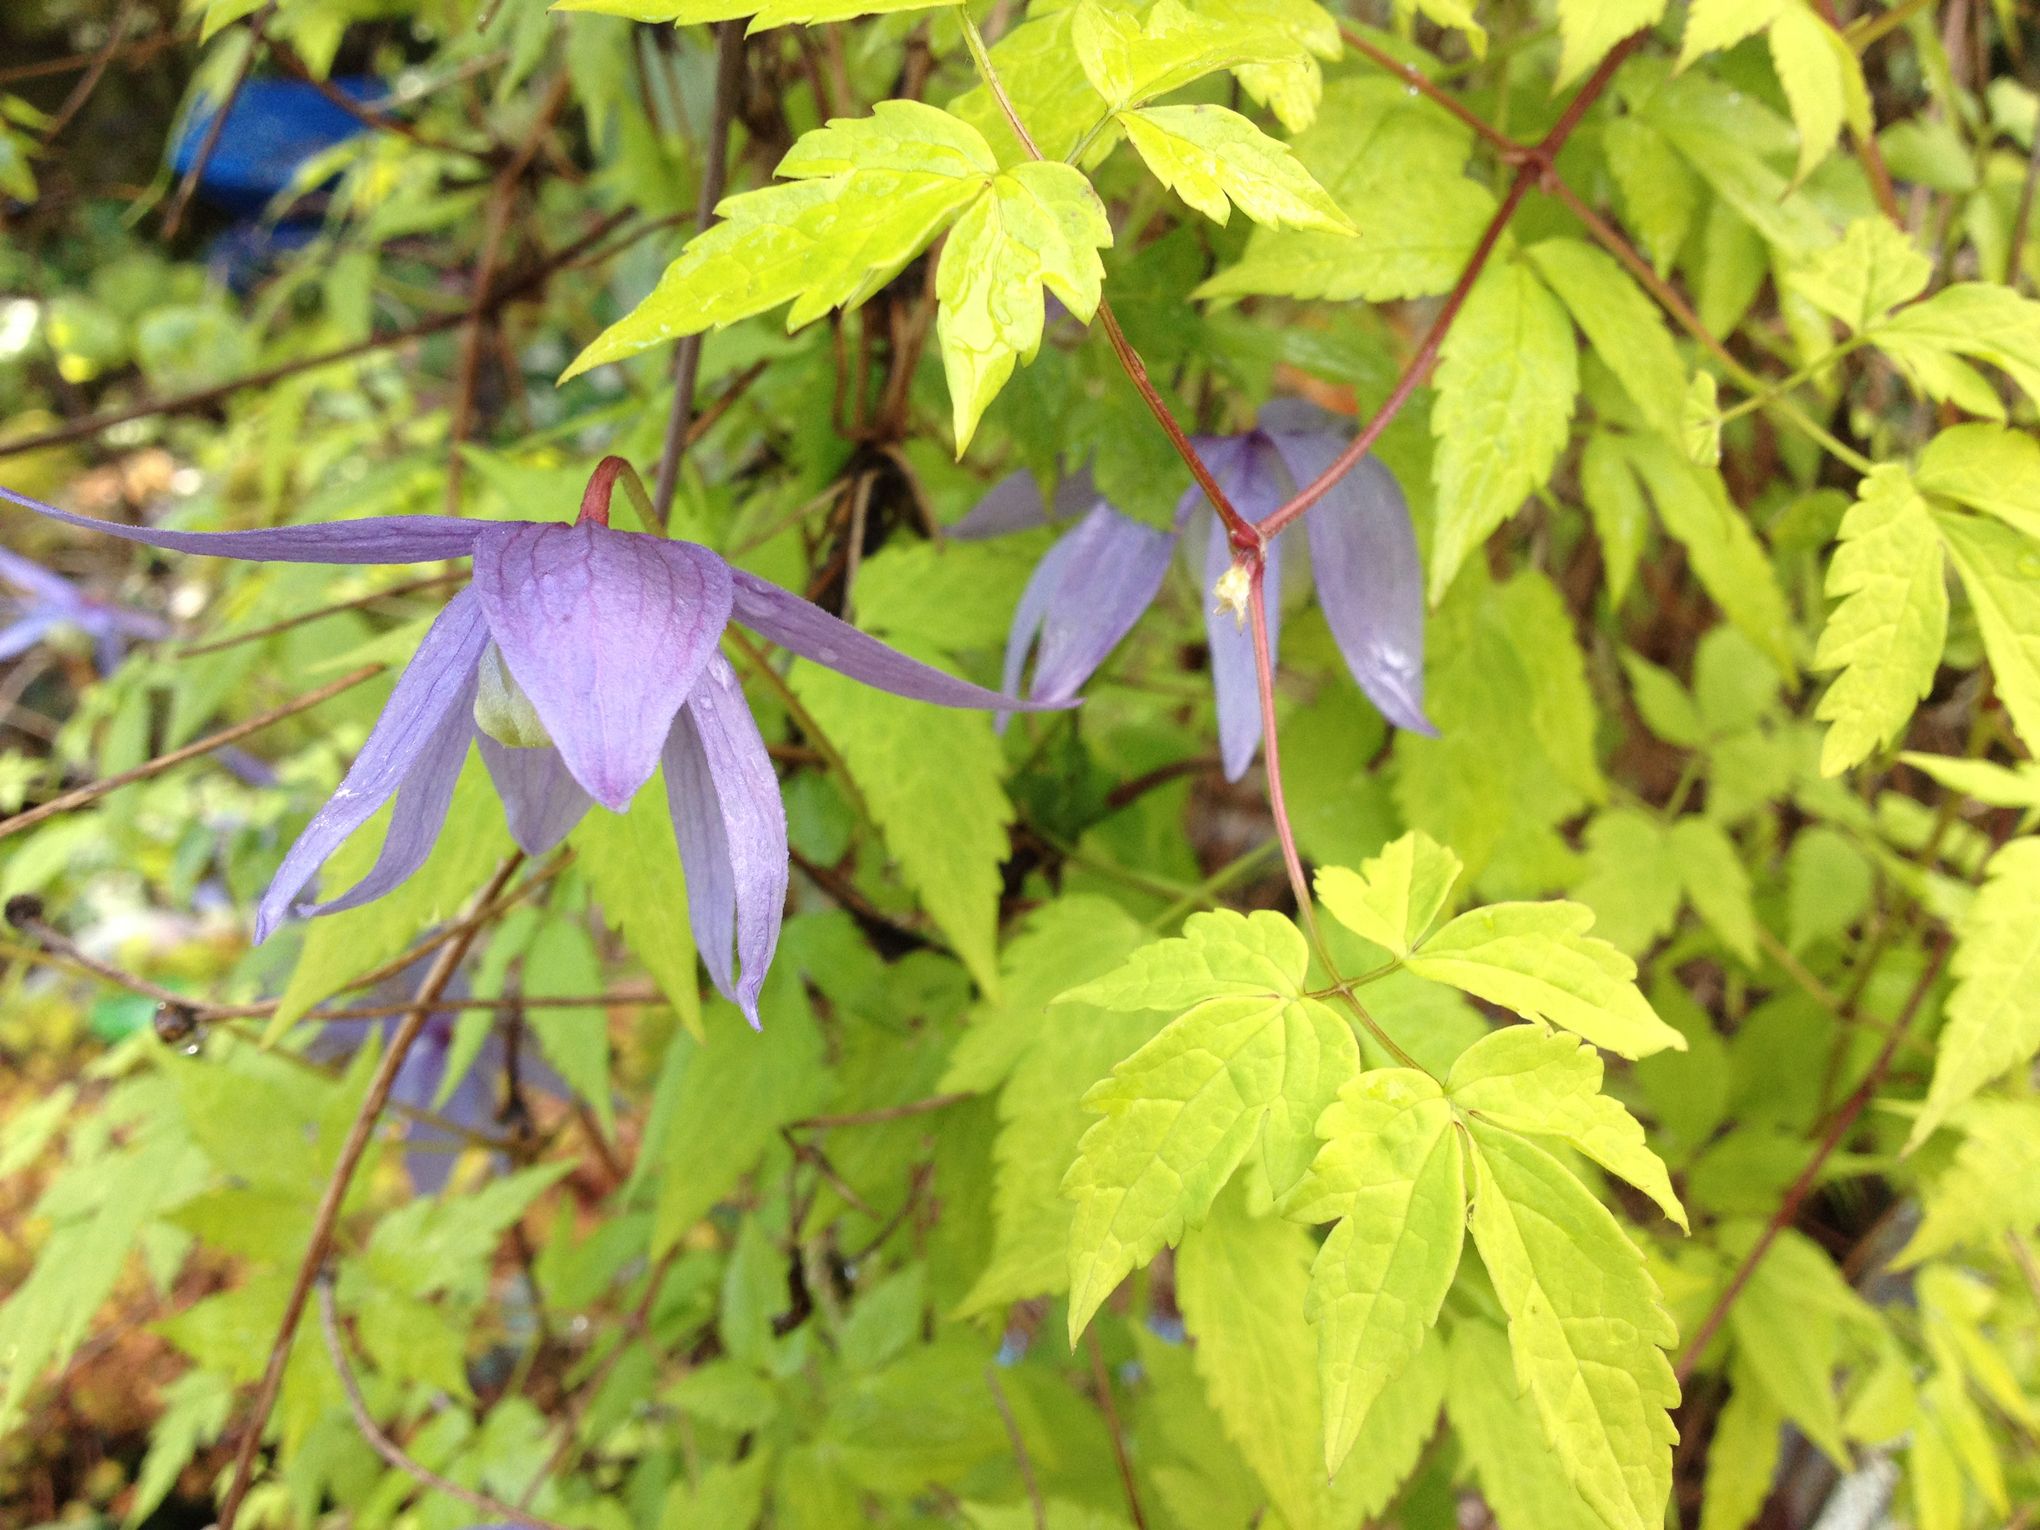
{"x": 1393, "y": 897}
{"x": 1038, "y": 225}
{"x": 1182, "y": 1113}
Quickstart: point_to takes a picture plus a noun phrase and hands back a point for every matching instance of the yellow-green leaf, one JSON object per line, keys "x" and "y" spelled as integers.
{"x": 1543, "y": 1084}
{"x": 865, "y": 196}
{"x": 1181, "y": 1115}
{"x": 1039, "y": 225}
{"x": 1392, "y": 898}
{"x": 1887, "y": 634}
{"x": 1215, "y": 159}
{"x": 1506, "y": 378}
{"x": 1585, "y": 1326}
{"x": 1392, "y": 1172}
{"x": 1538, "y": 960}
{"x": 2000, "y": 571}
{"x": 1994, "y": 1012}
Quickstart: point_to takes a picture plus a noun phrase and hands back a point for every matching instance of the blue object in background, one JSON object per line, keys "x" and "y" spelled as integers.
{"x": 272, "y": 128}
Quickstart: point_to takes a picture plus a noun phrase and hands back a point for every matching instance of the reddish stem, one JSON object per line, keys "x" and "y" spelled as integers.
{"x": 1838, "y": 1130}
{"x": 1534, "y": 163}
{"x": 1271, "y": 750}
{"x": 601, "y": 489}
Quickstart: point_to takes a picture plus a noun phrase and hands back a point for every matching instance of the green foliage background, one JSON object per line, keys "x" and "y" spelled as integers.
{"x": 1636, "y": 1128}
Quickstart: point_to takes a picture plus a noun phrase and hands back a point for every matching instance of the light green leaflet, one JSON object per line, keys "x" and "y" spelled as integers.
{"x": 1394, "y": 1174}
{"x": 864, "y": 197}
{"x": 1507, "y": 374}
{"x": 1585, "y": 1326}
{"x": 1590, "y": 28}
{"x": 1538, "y": 960}
{"x": 1994, "y": 1012}
{"x": 2000, "y": 572}
{"x": 1868, "y": 273}
{"x": 1541, "y": 1084}
{"x": 1989, "y": 468}
{"x": 1130, "y": 60}
{"x": 1215, "y": 159}
{"x": 1624, "y": 326}
{"x": 1392, "y": 898}
{"x": 1250, "y": 1061}
{"x": 1887, "y": 634}
{"x": 1037, "y": 225}
{"x": 1241, "y": 1281}
{"x": 763, "y": 14}
{"x": 1372, "y": 147}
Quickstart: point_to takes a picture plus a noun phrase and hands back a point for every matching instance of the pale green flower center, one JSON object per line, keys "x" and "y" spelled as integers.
{"x": 502, "y": 710}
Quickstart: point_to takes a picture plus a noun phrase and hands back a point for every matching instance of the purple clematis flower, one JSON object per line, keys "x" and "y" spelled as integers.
{"x": 580, "y": 659}
{"x": 47, "y": 602}
{"x": 1091, "y": 587}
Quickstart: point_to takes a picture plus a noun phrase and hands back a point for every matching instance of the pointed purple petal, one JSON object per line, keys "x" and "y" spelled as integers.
{"x": 373, "y": 539}
{"x": 1363, "y": 555}
{"x": 606, "y": 631}
{"x": 731, "y": 825}
{"x": 23, "y": 635}
{"x": 30, "y": 576}
{"x": 1042, "y": 587}
{"x": 1251, "y": 474}
{"x": 1012, "y": 504}
{"x": 422, "y": 801}
{"x": 1113, "y": 570}
{"x": 541, "y": 799}
{"x": 436, "y": 687}
{"x": 804, "y": 628}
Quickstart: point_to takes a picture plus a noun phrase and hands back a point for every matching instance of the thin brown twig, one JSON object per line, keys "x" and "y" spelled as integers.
{"x": 1020, "y": 1457}
{"x": 89, "y": 81}
{"x": 729, "y": 79}
{"x": 883, "y": 1113}
{"x": 317, "y": 613}
{"x": 1838, "y": 1129}
{"x": 257, "y": 29}
{"x": 141, "y": 48}
{"x": 1425, "y": 86}
{"x": 633, "y": 1329}
{"x": 375, "y": 118}
{"x": 502, "y": 198}
{"x": 390, "y": 1451}
{"x": 326, "y": 1220}
{"x": 1103, "y": 1382}
{"x": 91, "y": 792}
{"x": 204, "y": 398}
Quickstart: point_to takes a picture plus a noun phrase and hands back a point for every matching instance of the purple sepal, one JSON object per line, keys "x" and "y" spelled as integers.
{"x": 1082, "y": 599}
{"x": 541, "y": 799}
{"x": 1249, "y": 471}
{"x": 373, "y": 539}
{"x": 801, "y": 627}
{"x": 1363, "y": 556}
{"x": 731, "y": 827}
{"x": 606, "y": 631}
{"x": 436, "y": 686}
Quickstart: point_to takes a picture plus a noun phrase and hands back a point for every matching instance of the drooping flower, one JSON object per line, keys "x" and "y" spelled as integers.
{"x": 45, "y": 603}
{"x": 580, "y": 658}
{"x": 1092, "y": 585}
